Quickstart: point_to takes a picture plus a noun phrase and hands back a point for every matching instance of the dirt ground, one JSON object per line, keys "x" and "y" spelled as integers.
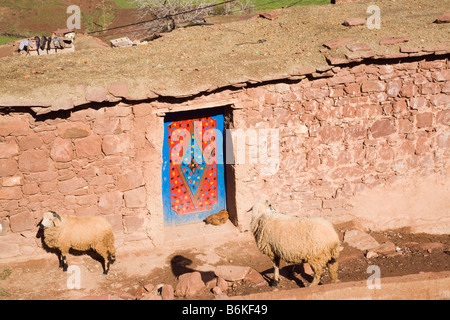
{"x": 42, "y": 279}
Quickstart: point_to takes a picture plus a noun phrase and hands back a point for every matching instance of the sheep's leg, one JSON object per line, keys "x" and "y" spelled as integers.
{"x": 317, "y": 267}
{"x": 104, "y": 253}
{"x": 276, "y": 271}
{"x": 333, "y": 270}
{"x": 63, "y": 260}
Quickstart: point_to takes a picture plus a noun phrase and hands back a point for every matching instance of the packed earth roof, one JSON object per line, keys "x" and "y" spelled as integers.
{"x": 192, "y": 60}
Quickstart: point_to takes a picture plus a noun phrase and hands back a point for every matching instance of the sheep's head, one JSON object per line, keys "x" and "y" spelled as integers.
{"x": 50, "y": 219}
{"x": 261, "y": 207}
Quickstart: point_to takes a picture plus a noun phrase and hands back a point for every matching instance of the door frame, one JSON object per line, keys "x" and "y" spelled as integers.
{"x": 169, "y": 216}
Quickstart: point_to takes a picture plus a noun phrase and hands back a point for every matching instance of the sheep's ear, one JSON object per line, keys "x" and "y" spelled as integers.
{"x": 56, "y": 221}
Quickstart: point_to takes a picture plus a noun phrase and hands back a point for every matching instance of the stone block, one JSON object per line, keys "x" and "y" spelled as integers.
{"x": 33, "y": 161}
{"x": 62, "y": 150}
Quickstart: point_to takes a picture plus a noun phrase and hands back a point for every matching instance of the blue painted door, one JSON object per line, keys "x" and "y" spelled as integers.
{"x": 193, "y": 169}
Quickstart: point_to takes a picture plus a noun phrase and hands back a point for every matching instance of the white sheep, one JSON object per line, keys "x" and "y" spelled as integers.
{"x": 295, "y": 240}
{"x": 63, "y": 232}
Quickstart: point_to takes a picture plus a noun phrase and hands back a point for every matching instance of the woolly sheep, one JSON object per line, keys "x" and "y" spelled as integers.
{"x": 63, "y": 232}
{"x": 295, "y": 240}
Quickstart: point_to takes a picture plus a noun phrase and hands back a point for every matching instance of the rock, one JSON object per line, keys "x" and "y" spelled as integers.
{"x": 445, "y": 18}
{"x": 222, "y": 284}
{"x": 189, "y": 284}
{"x": 427, "y": 246}
{"x": 119, "y": 89}
{"x": 231, "y": 273}
{"x": 358, "y": 47}
{"x": 336, "y": 43}
{"x": 62, "y": 150}
{"x": 22, "y": 221}
{"x": 221, "y": 296}
{"x": 216, "y": 290}
{"x": 349, "y": 22}
{"x": 393, "y": 40}
{"x": 307, "y": 269}
{"x": 360, "y": 240}
{"x": 371, "y": 254}
{"x": 381, "y": 128}
{"x": 167, "y": 292}
{"x": 255, "y": 278}
{"x": 33, "y": 161}
{"x": 385, "y": 248}
{"x": 96, "y": 94}
{"x": 270, "y": 15}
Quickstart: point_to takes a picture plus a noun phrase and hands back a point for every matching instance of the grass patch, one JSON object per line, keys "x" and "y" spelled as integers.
{"x": 4, "y": 293}
{"x": 276, "y": 4}
{"x": 5, "y": 40}
{"x": 5, "y": 274}
{"x": 125, "y": 4}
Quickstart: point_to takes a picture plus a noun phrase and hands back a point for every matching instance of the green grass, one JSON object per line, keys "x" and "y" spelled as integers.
{"x": 5, "y": 274}
{"x": 7, "y": 39}
{"x": 125, "y": 4}
{"x": 274, "y": 4}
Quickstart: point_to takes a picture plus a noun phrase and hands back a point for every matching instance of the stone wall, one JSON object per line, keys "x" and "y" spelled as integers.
{"x": 367, "y": 131}
{"x": 368, "y": 142}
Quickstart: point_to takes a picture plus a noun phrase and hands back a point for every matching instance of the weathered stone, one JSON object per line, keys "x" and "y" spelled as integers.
{"x": 424, "y": 120}
{"x": 96, "y": 94}
{"x": 372, "y": 86}
{"x": 349, "y": 22}
{"x": 10, "y": 193}
{"x": 360, "y": 240}
{"x": 12, "y": 181}
{"x": 116, "y": 144}
{"x": 8, "y": 150}
{"x": 22, "y": 221}
{"x": 270, "y": 15}
{"x": 393, "y": 40}
{"x": 384, "y": 248}
{"x": 426, "y": 246}
{"x": 330, "y": 133}
{"x": 443, "y": 140}
{"x": 88, "y": 147}
{"x": 73, "y": 130}
{"x": 255, "y": 278}
{"x": 445, "y": 18}
{"x": 62, "y": 150}
{"x": 167, "y": 292}
{"x": 71, "y": 185}
{"x": 31, "y": 141}
{"x": 110, "y": 202}
{"x": 135, "y": 198}
{"x": 33, "y": 161}
{"x": 119, "y": 89}
{"x": 14, "y": 126}
{"x": 189, "y": 284}
{"x": 231, "y": 273}
{"x": 8, "y": 167}
{"x": 381, "y": 128}
{"x": 358, "y": 47}
{"x": 418, "y": 103}
{"x": 130, "y": 180}
{"x": 336, "y": 43}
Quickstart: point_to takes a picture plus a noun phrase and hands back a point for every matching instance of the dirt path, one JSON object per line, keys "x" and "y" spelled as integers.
{"x": 42, "y": 279}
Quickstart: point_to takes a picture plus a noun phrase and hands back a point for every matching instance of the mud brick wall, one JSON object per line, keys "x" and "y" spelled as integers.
{"x": 368, "y": 142}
